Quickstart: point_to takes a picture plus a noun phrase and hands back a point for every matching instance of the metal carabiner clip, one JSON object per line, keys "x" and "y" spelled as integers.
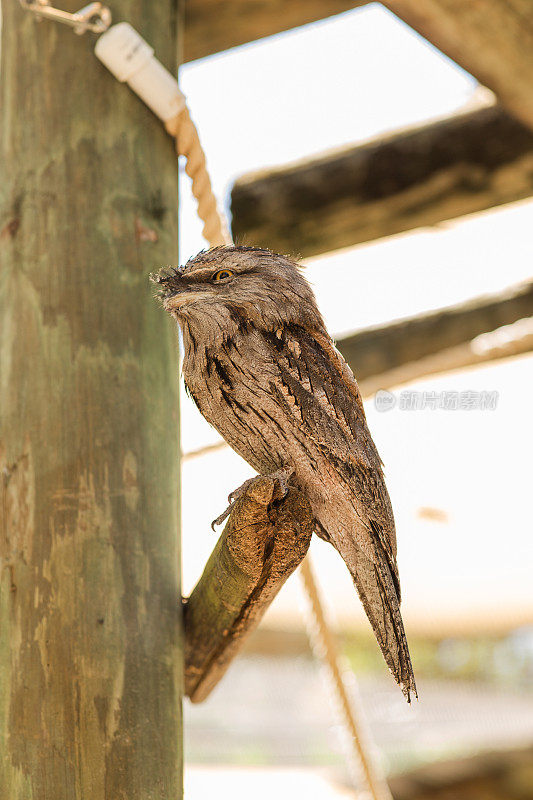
{"x": 95, "y": 17}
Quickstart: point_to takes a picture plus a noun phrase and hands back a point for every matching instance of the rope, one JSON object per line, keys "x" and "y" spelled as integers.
{"x": 321, "y": 636}
{"x": 358, "y": 746}
{"x": 183, "y": 129}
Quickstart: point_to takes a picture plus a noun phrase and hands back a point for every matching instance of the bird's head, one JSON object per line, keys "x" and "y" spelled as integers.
{"x": 249, "y": 283}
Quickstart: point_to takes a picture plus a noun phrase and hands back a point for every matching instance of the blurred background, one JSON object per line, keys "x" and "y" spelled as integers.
{"x": 452, "y": 423}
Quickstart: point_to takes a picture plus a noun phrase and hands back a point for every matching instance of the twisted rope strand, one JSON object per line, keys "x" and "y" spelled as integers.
{"x": 188, "y": 144}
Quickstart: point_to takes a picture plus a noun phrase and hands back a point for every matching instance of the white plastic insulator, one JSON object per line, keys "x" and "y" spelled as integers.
{"x": 125, "y": 53}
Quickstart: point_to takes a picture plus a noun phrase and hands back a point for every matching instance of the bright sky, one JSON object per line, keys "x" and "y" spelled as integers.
{"x": 338, "y": 81}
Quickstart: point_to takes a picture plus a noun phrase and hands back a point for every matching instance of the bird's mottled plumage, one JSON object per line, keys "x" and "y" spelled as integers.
{"x": 263, "y": 370}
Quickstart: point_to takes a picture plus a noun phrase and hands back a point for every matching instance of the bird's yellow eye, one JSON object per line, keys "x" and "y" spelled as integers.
{"x": 222, "y": 275}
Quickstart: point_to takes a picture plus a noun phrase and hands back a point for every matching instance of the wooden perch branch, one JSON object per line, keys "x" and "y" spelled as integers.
{"x": 264, "y": 540}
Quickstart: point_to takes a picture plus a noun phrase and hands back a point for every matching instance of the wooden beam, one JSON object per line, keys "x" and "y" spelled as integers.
{"x": 263, "y": 542}
{"x": 492, "y": 40}
{"x": 460, "y": 165}
{"x": 509, "y": 340}
{"x": 387, "y": 356}
{"x": 214, "y": 25}
{"x": 502, "y": 773}
{"x": 90, "y": 624}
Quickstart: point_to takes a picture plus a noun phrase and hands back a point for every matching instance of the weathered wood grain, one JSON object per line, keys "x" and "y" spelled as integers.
{"x": 262, "y": 544}
{"x": 214, "y": 25}
{"x": 90, "y": 629}
{"x": 466, "y": 163}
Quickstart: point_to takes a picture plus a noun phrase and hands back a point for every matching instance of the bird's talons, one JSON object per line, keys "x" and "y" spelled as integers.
{"x": 220, "y": 519}
{"x": 263, "y": 488}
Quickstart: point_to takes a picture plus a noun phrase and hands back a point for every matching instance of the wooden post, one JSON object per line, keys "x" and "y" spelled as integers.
{"x": 90, "y": 629}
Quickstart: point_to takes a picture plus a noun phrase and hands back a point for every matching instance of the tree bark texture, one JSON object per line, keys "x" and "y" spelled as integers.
{"x": 262, "y": 544}
{"x": 419, "y": 177}
{"x": 90, "y": 629}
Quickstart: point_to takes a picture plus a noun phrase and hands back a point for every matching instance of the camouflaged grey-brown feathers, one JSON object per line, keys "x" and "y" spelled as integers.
{"x": 264, "y": 372}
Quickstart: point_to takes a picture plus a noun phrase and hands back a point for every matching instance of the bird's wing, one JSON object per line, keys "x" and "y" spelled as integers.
{"x": 325, "y": 400}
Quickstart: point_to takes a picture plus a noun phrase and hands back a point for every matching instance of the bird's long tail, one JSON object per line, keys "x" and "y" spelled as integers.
{"x": 380, "y": 596}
